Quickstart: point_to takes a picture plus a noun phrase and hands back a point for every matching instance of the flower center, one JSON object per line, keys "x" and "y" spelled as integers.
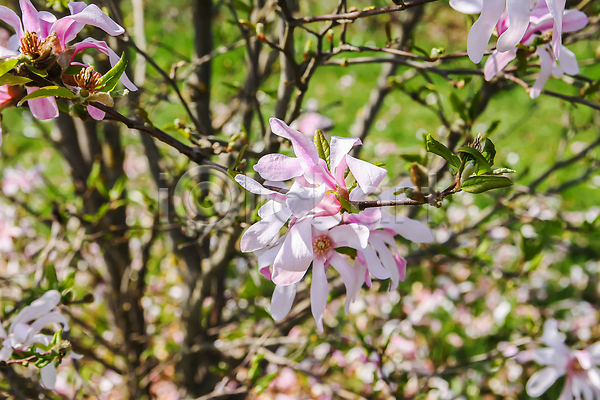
{"x": 574, "y": 366}
{"x": 88, "y": 79}
{"x": 37, "y": 48}
{"x": 321, "y": 245}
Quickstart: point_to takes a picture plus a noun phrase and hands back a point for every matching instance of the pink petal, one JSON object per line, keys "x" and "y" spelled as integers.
{"x": 11, "y": 18}
{"x": 410, "y": 229}
{"x": 574, "y": 20}
{"x": 547, "y": 64}
{"x": 94, "y": 16}
{"x": 497, "y": 61}
{"x": 278, "y": 167}
{"x": 541, "y": 381}
{"x": 297, "y": 251}
{"x": 31, "y": 21}
{"x": 36, "y": 309}
{"x": 266, "y": 257}
{"x": 46, "y": 20}
{"x": 518, "y": 14}
{"x": 251, "y": 185}
{"x": 95, "y": 113}
{"x": 401, "y": 263}
{"x": 349, "y": 277}
{"x": 42, "y": 108}
{"x": 367, "y": 175}
{"x": 385, "y": 255}
{"x": 304, "y": 148}
{"x": 282, "y": 301}
{"x": 482, "y": 29}
{"x": 262, "y": 233}
{"x": 556, "y": 8}
{"x": 319, "y": 292}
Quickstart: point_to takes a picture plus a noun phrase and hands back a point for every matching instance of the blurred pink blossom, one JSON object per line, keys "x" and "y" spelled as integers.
{"x": 579, "y": 366}
{"x": 19, "y": 178}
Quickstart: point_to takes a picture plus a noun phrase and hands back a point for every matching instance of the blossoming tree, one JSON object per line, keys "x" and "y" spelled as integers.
{"x": 300, "y": 199}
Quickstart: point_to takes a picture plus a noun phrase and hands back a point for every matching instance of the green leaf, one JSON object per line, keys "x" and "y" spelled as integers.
{"x": 7, "y": 64}
{"x": 57, "y": 337}
{"x": 483, "y": 183}
{"x": 116, "y": 191}
{"x": 67, "y": 283}
{"x": 109, "y": 80}
{"x": 50, "y": 273}
{"x": 73, "y": 70}
{"x": 482, "y": 164}
{"x": 435, "y": 147}
{"x": 522, "y": 62}
{"x": 41, "y": 362}
{"x": 349, "y": 251}
{"x": 48, "y": 91}
{"x": 474, "y": 107}
{"x": 488, "y": 150}
{"x": 10, "y": 79}
{"x": 590, "y": 89}
{"x": 322, "y": 146}
{"x": 240, "y": 156}
{"x": 346, "y": 205}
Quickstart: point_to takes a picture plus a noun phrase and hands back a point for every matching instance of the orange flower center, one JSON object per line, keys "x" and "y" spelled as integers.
{"x": 321, "y": 245}
{"x": 88, "y": 79}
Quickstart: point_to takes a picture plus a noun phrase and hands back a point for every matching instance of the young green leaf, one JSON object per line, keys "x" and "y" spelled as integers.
{"x": 109, "y": 81}
{"x": 7, "y": 64}
{"x": 322, "y": 146}
{"x": 483, "y": 183}
{"x": 500, "y": 171}
{"x": 10, "y": 79}
{"x": 435, "y": 147}
{"x": 488, "y": 150}
{"x": 48, "y": 91}
{"x": 482, "y": 163}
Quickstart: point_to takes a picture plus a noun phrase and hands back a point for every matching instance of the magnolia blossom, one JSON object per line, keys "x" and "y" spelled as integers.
{"x": 579, "y": 366}
{"x": 310, "y": 122}
{"x": 25, "y": 330}
{"x": 518, "y": 14}
{"x": 8, "y": 230}
{"x": 41, "y": 32}
{"x": 540, "y": 20}
{"x": 317, "y": 224}
{"x": 19, "y": 178}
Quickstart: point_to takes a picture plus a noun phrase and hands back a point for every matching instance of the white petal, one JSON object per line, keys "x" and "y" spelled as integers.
{"x": 541, "y": 381}
{"x": 367, "y": 175}
{"x": 547, "y": 64}
{"x": 568, "y": 61}
{"x": 37, "y": 308}
{"x": 482, "y": 29}
{"x": 338, "y": 148}
{"x": 518, "y": 14}
{"x": 297, "y": 251}
{"x": 496, "y": 63}
{"x": 467, "y": 6}
{"x": 282, "y": 301}
{"x": 545, "y": 356}
{"x": 351, "y": 235}
{"x": 48, "y": 374}
{"x": 349, "y": 277}
{"x": 319, "y": 292}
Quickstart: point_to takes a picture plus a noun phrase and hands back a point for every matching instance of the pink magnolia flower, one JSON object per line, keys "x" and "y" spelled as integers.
{"x": 540, "y": 20}
{"x": 43, "y": 30}
{"x": 518, "y": 20}
{"x": 310, "y": 122}
{"x": 7, "y": 229}
{"x": 311, "y": 208}
{"x": 579, "y": 366}
{"x": 25, "y": 330}
{"x": 19, "y": 178}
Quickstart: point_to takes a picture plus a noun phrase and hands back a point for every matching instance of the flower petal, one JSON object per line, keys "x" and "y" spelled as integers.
{"x": 95, "y": 113}
{"x": 42, "y": 322}
{"x": 482, "y": 29}
{"x": 301, "y": 199}
{"x": 94, "y": 16}
{"x": 319, "y": 292}
{"x": 547, "y": 64}
{"x": 42, "y": 108}
{"x": 556, "y": 8}
{"x": 251, "y": 185}
{"x": 367, "y": 175}
{"x": 518, "y": 15}
{"x": 262, "y": 233}
{"x": 496, "y": 63}
{"x": 467, "y": 6}
{"x": 374, "y": 264}
{"x": 29, "y": 15}
{"x": 338, "y": 148}
{"x": 48, "y": 374}
{"x": 408, "y": 228}
{"x": 349, "y": 277}
{"x": 278, "y": 167}
{"x": 541, "y": 381}
{"x": 297, "y": 251}
{"x": 568, "y": 61}
{"x": 11, "y": 18}
{"x": 351, "y": 235}
{"x": 545, "y": 356}
{"x": 36, "y": 309}
{"x": 304, "y": 148}
{"x": 282, "y": 301}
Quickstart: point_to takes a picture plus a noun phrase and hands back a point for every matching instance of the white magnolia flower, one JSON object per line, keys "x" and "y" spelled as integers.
{"x": 579, "y": 366}
{"x": 25, "y": 330}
